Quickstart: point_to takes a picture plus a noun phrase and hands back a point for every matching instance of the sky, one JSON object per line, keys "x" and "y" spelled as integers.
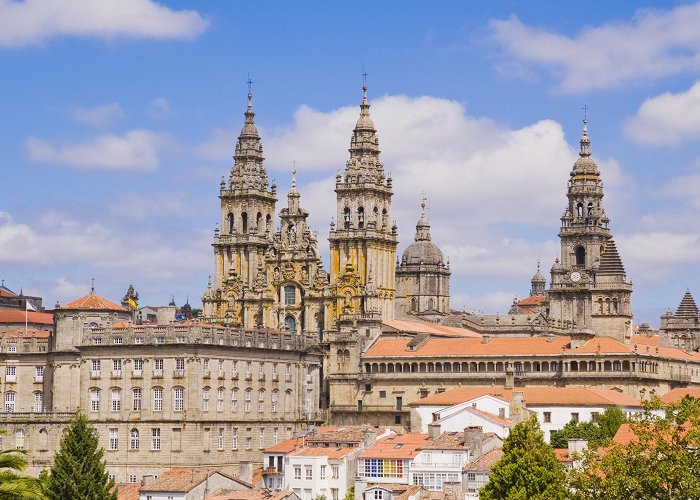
{"x": 118, "y": 118}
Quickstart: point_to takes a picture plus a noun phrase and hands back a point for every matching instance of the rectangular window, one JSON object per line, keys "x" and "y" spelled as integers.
{"x": 261, "y": 438}
{"x": 246, "y": 404}
{"x": 138, "y": 367}
{"x": 96, "y": 367}
{"x": 334, "y": 494}
{"x": 132, "y": 478}
{"x": 157, "y": 367}
{"x": 179, "y": 367}
{"x": 10, "y": 402}
{"x": 234, "y": 439}
{"x": 547, "y": 416}
{"x": 248, "y": 443}
{"x": 382, "y": 394}
{"x": 38, "y": 373}
{"x": 335, "y": 471}
{"x": 155, "y": 438}
{"x": 297, "y": 472}
{"x": 220, "y": 439}
{"x": 308, "y": 469}
{"x": 113, "y": 438}
{"x": 11, "y": 374}
{"x": 178, "y": 399}
{"x": 221, "y": 367}
{"x": 234, "y": 400}
{"x": 11, "y": 348}
{"x": 399, "y": 403}
{"x": 137, "y": 398}
{"x": 38, "y": 402}
{"x": 138, "y": 340}
{"x": 288, "y": 372}
{"x": 594, "y": 416}
{"x": 205, "y": 399}
{"x": 157, "y": 399}
{"x": 274, "y": 436}
{"x": 574, "y": 417}
{"x": 94, "y": 399}
{"x": 273, "y": 401}
{"x": 116, "y": 399}
{"x": 289, "y": 295}
{"x": 134, "y": 439}
{"x": 322, "y": 474}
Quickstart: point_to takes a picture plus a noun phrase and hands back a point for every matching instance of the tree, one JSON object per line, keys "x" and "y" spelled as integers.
{"x": 658, "y": 456}
{"x": 528, "y": 468}
{"x": 78, "y": 470}
{"x": 596, "y": 433}
{"x": 12, "y": 485}
{"x": 350, "y": 495}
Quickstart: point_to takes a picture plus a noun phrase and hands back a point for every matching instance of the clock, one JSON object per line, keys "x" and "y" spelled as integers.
{"x": 575, "y": 276}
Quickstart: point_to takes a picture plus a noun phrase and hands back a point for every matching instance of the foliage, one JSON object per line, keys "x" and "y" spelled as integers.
{"x": 350, "y": 495}
{"x": 596, "y": 433}
{"x": 78, "y": 470}
{"x": 661, "y": 459}
{"x": 528, "y": 469}
{"x": 12, "y": 485}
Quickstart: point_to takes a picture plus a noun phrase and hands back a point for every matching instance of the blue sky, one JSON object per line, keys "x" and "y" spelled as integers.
{"x": 118, "y": 121}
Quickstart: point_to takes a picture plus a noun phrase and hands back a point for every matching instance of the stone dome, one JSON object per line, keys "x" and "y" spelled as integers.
{"x": 422, "y": 251}
{"x": 585, "y": 165}
{"x": 538, "y": 277}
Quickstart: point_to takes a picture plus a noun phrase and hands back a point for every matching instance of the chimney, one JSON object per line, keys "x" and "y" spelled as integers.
{"x": 510, "y": 379}
{"x": 473, "y": 436}
{"x": 517, "y": 407}
{"x": 369, "y": 437}
{"x": 147, "y": 479}
{"x": 245, "y": 471}
{"x": 485, "y": 339}
{"x": 433, "y": 430}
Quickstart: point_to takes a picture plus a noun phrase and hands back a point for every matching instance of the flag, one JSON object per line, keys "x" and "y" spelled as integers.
{"x": 132, "y": 304}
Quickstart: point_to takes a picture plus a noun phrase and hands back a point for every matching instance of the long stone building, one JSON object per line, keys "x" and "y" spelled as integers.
{"x": 284, "y": 344}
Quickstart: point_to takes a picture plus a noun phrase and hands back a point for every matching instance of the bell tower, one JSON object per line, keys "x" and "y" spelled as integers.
{"x": 363, "y": 243}
{"x": 247, "y": 211}
{"x": 589, "y": 289}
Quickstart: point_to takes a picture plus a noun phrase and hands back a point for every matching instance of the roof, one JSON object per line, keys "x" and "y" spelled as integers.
{"x": 562, "y": 455}
{"x": 20, "y": 315}
{"x": 183, "y": 479}
{"x": 532, "y": 300}
{"x": 431, "y": 328}
{"x": 344, "y": 434}
{"x": 485, "y": 462}
{"x": 285, "y": 446}
{"x": 447, "y": 347}
{"x": 534, "y": 395}
{"x": 645, "y": 340}
{"x": 675, "y": 395}
{"x": 624, "y": 434}
{"x": 263, "y": 494}
{"x": 687, "y": 308}
{"x": 323, "y": 451}
{"x": 402, "y": 490}
{"x": 92, "y": 301}
{"x": 446, "y": 441}
{"x": 127, "y": 491}
{"x": 610, "y": 262}
{"x": 31, "y": 333}
{"x": 398, "y": 446}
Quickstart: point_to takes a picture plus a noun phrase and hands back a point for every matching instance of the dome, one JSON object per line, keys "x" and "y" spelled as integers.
{"x": 538, "y": 277}
{"x": 585, "y": 165}
{"x": 422, "y": 251}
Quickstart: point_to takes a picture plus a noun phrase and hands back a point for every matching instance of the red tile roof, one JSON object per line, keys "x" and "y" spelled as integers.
{"x": 94, "y": 302}
{"x": 431, "y": 328}
{"x": 446, "y": 347}
{"x": 183, "y": 479}
{"x": 19, "y": 316}
{"x": 229, "y": 494}
{"x": 532, "y": 300}
{"x": 534, "y": 395}
{"x": 645, "y": 340}
{"x": 29, "y": 334}
{"x": 485, "y": 462}
{"x": 127, "y": 491}
{"x": 675, "y": 395}
{"x": 322, "y": 451}
{"x": 399, "y": 446}
{"x": 285, "y": 446}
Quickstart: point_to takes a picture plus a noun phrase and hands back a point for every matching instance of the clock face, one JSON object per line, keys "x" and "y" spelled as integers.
{"x": 576, "y": 276}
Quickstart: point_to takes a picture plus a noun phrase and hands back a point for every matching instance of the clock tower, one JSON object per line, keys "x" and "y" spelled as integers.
{"x": 589, "y": 289}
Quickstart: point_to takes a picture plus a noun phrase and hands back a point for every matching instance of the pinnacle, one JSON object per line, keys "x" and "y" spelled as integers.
{"x": 687, "y": 307}
{"x": 610, "y": 261}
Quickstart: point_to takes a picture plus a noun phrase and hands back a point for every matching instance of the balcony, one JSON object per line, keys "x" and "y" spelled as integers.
{"x": 158, "y": 373}
{"x": 95, "y": 374}
{"x": 116, "y": 374}
{"x": 10, "y": 378}
{"x": 178, "y": 373}
{"x": 136, "y": 374}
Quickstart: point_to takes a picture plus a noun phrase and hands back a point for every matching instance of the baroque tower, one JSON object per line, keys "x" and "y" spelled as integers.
{"x": 589, "y": 288}
{"x": 363, "y": 243}
{"x": 247, "y": 208}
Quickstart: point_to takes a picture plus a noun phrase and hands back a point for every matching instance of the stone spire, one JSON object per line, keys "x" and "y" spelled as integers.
{"x": 293, "y": 194}
{"x": 248, "y": 171}
{"x": 610, "y": 262}
{"x": 422, "y": 226}
{"x": 364, "y": 164}
{"x": 687, "y": 307}
{"x": 538, "y": 282}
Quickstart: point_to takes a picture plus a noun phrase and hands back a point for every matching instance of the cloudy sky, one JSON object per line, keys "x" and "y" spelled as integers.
{"x": 118, "y": 118}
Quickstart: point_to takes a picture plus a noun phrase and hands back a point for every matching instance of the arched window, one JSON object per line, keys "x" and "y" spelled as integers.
{"x": 589, "y": 209}
{"x": 414, "y": 304}
{"x": 579, "y": 209}
{"x": 134, "y": 439}
{"x": 229, "y": 223}
{"x": 431, "y": 304}
{"x": 116, "y": 399}
{"x": 234, "y": 400}
{"x": 290, "y": 324}
{"x": 178, "y": 399}
{"x": 38, "y": 402}
{"x": 94, "y": 399}
{"x": 346, "y": 217}
{"x": 258, "y": 222}
{"x": 360, "y": 217}
{"x": 289, "y": 295}
{"x": 244, "y": 222}
{"x": 580, "y": 256}
{"x": 19, "y": 439}
{"x": 220, "y": 399}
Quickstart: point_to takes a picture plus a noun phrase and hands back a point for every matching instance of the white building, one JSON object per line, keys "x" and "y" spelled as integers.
{"x": 189, "y": 484}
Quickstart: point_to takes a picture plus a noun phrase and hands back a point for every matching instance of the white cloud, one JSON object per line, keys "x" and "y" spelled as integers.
{"x": 137, "y": 149}
{"x": 219, "y": 146}
{"x": 653, "y": 45}
{"x": 159, "y": 108}
{"x": 97, "y": 115}
{"x": 32, "y": 22}
{"x": 667, "y": 119}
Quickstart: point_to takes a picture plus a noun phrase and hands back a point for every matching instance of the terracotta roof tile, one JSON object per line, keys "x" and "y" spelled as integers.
{"x": 4, "y": 292}
{"x": 285, "y": 446}
{"x": 446, "y": 441}
{"x": 534, "y": 395}
{"x": 675, "y": 395}
{"x": 127, "y": 491}
{"x": 645, "y": 340}
{"x": 399, "y": 446}
{"x": 263, "y": 494}
{"x": 533, "y": 300}
{"x": 431, "y": 328}
{"x": 344, "y": 434}
{"x": 93, "y": 301}
{"x": 183, "y": 479}
{"x": 322, "y": 451}
{"x": 18, "y": 316}
{"x": 485, "y": 461}
{"x": 28, "y": 334}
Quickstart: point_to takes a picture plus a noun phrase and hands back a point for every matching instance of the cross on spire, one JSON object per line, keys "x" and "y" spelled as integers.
{"x": 250, "y": 84}
{"x": 585, "y": 113}
{"x": 364, "y": 78}
{"x": 92, "y": 285}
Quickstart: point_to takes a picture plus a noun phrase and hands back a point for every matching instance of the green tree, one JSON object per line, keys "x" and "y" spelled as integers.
{"x": 660, "y": 459}
{"x": 350, "y": 495}
{"x": 14, "y": 486}
{"x": 596, "y": 433}
{"x": 78, "y": 470}
{"x": 528, "y": 469}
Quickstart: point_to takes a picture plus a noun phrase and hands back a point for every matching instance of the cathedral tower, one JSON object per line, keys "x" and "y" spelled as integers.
{"x": 589, "y": 289}
{"x": 363, "y": 243}
{"x": 247, "y": 211}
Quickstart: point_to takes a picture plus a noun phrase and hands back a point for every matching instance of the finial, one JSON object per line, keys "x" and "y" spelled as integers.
{"x": 294, "y": 174}
{"x": 250, "y": 92}
{"x": 585, "y": 141}
{"x": 92, "y": 286}
{"x": 209, "y": 282}
{"x": 538, "y": 265}
{"x": 423, "y": 204}
{"x": 364, "y": 78}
